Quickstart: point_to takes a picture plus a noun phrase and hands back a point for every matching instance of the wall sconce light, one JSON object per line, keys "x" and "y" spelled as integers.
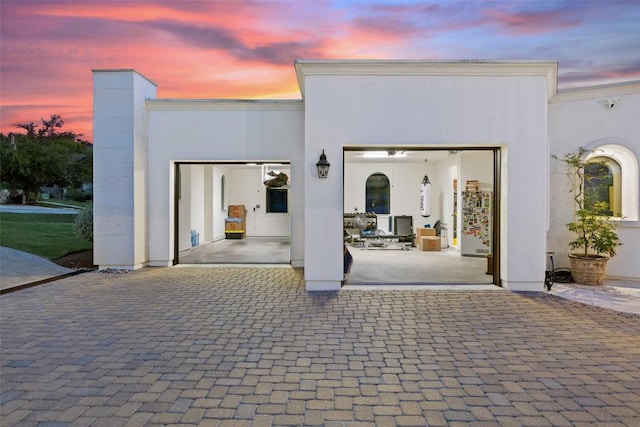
{"x": 323, "y": 166}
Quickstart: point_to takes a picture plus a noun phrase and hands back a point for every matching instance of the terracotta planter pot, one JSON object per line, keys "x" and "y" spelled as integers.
{"x": 588, "y": 270}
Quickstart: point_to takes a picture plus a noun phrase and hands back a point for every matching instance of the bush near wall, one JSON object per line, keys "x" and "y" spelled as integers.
{"x": 83, "y": 226}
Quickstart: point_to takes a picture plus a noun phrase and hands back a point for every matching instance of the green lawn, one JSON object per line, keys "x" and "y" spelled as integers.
{"x": 45, "y": 235}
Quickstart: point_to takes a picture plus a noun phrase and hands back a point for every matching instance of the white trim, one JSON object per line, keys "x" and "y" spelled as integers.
{"x": 123, "y": 70}
{"x": 323, "y": 285}
{"x": 128, "y": 267}
{"x": 160, "y": 263}
{"x": 547, "y": 69}
{"x": 595, "y": 92}
{"x": 523, "y": 286}
{"x": 223, "y": 105}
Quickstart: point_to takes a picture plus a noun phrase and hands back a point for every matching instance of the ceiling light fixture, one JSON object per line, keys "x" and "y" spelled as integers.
{"x": 383, "y": 154}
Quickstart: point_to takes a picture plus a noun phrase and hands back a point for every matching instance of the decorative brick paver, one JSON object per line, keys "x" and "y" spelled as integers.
{"x": 250, "y": 347}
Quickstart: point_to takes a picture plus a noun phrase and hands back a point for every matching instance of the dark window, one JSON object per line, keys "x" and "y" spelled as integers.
{"x": 602, "y": 184}
{"x": 277, "y": 200}
{"x": 377, "y": 194}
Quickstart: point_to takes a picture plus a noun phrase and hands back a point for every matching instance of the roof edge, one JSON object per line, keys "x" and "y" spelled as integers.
{"x": 465, "y": 67}
{"x": 123, "y": 70}
{"x": 165, "y": 104}
{"x": 611, "y": 89}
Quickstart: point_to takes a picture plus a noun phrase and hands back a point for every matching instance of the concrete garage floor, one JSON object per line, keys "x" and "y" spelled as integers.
{"x": 374, "y": 266}
{"x": 250, "y": 250}
{"x": 379, "y": 266}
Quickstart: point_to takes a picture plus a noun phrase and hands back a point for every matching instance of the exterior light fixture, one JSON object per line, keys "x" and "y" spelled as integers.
{"x": 323, "y": 166}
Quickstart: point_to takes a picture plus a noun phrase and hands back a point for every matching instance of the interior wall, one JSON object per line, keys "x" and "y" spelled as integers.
{"x": 200, "y": 204}
{"x": 197, "y": 200}
{"x": 194, "y": 212}
{"x": 184, "y": 208}
{"x": 476, "y": 165}
{"x": 442, "y": 188}
{"x": 207, "y": 235}
{"x": 219, "y": 206}
{"x": 246, "y": 188}
{"x": 405, "y": 180}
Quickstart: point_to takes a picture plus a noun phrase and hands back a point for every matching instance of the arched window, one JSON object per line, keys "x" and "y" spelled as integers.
{"x": 613, "y": 170}
{"x": 602, "y": 184}
{"x": 377, "y": 194}
{"x": 223, "y": 191}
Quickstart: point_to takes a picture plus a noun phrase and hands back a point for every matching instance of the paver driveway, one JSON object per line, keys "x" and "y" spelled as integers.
{"x": 248, "y": 346}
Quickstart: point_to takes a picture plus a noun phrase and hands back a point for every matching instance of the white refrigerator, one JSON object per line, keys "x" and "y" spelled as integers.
{"x": 475, "y": 238}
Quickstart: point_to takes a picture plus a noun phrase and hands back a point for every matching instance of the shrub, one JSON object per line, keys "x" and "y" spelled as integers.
{"x": 79, "y": 195}
{"x": 83, "y": 226}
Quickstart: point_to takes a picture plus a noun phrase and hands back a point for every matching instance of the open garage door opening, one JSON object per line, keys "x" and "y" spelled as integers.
{"x": 232, "y": 213}
{"x": 421, "y": 216}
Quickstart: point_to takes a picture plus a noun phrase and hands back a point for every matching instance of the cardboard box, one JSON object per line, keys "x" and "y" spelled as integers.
{"x": 472, "y": 185}
{"x": 237, "y": 211}
{"x": 235, "y": 225}
{"x": 429, "y": 243}
{"x": 425, "y": 232}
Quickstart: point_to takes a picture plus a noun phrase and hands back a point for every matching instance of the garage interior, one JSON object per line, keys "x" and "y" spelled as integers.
{"x": 451, "y": 173}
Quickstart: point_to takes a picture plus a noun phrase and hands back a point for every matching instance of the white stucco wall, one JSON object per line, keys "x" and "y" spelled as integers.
{"x": 579, "y": 118}
{"x": 120, "y": 147}
{"x": 220, "y": 131}
{"x": 409, "y": 104}
{"x": 354, "y": 104}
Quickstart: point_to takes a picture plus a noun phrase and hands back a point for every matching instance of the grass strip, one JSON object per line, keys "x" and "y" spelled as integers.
{"x": 47, "y": 235}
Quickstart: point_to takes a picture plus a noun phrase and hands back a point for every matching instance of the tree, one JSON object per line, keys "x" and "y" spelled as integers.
{"x": 593, "y": 227}
{"x": 44, "y": 156}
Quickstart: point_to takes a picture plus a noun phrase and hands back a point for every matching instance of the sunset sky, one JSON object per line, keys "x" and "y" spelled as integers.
{"x": 246, "y": 49}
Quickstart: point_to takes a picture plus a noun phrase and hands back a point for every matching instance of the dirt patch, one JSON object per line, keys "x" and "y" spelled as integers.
{"x": 77, "y": 260}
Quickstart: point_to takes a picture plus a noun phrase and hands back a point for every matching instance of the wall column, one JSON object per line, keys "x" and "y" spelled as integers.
{"x": 121, "y": 146}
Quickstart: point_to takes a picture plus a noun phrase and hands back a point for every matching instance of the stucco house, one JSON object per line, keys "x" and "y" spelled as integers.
{"x": 165, "y": 167}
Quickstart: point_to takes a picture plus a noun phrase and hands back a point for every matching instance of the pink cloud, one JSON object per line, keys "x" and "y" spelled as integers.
{"x": 599, "y": 74}
{"x": 527, "y": 23}
{"x": 47, "y": 69}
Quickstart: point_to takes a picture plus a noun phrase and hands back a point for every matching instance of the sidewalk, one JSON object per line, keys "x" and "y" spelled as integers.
{"x": 19, "y": 268}
{"x": 618, "y": 295}
{"x": 64, "y": 209}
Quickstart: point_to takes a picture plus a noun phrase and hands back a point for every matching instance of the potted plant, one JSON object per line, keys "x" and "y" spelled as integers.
{"x": 596, "y": 237}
